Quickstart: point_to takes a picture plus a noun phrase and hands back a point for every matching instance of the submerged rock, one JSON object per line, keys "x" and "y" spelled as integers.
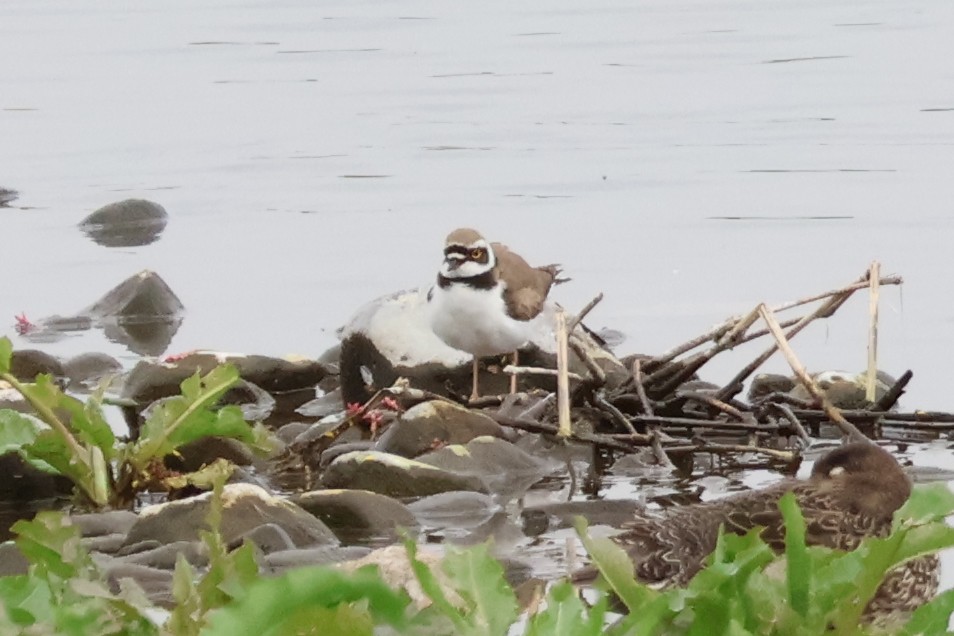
{"x": 26, "y": 364}
{"x": 358, "y": 514}
{"x": 393, "y": 475}
{"x": 128, "y": 223}
{"x": 245, "y": 507}
{"x": 503, "y": 467}
{"x": 432, "y": 424}
{"x": 463, "y": 509}
{"x": 278, "y": 562}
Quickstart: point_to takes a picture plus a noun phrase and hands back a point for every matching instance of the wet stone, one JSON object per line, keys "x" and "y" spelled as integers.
{"x": 19, "y": 481}
{"x": 339, "y": 449}
{"x": 269, "y": 537}
{"x": 26, "y": 364}
{"x": 393, "y": 475}
{"x": 463, "y": 508}
{"x": 164, "y": 556}
{"x": 503, "y": 467}
{"x": 278, "y": 562}
{"x": 288, "y": 432}
{"x": 87, "y": 369}
{"x": 358, "y": 514}
{"x": 435, "y": 423}
{"x": 128, "y": 223}
{"x": 95, "y": 524}
{"x": 155, "y": 582}
{"x": 245, "y": 507}
{"x": 105, "y": 543}
{"x": 327, "y": 404}
{"x": 12, "y": 561}
{"x": 205, "y": 450}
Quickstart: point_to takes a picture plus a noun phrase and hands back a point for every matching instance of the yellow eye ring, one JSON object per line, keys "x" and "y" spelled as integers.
{"x": 476, "y": 253}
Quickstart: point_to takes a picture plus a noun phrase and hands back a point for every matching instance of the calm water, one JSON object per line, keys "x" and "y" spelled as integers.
{"x": 312, "y": 155}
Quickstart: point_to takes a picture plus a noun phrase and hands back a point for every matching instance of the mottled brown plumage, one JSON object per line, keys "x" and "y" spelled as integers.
{"x": 852, "y": 494}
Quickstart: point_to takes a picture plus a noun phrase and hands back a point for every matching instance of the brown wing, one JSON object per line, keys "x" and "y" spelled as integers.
{"x": 526, "y": 287}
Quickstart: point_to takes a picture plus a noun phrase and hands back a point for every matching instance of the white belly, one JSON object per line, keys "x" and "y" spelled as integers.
{"x": 476, "y": 321}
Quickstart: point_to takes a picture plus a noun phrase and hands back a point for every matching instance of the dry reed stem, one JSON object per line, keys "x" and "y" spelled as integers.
{"x": 874, "y": 276}
{"x": 571, "y": 325}
{"x": 563, "y": 378}
{"x": 798, "y": 368}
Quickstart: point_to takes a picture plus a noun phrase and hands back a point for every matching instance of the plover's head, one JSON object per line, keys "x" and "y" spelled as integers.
{"x": 467, "y": 254}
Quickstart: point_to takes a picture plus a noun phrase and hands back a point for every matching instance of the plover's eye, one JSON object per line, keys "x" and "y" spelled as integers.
{"x": 477, "y": 253}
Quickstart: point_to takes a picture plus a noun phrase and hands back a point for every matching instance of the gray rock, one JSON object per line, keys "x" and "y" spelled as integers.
{"x": 279, "y": 562}
{"x": 205, "y": 450}
{"x": 128, "y": 223}
{"x": 358, "y": 514}
{"x": 288, "y": 432}
{"x": 269, "y": 537}
{"x": 435, "y": 423}
{"x": 87, "y": 370}
{"x": 105, "y": 543}
{"x": 327, "y": 404}
{"x": 26, "y": 364}
{"x": 139, "y": 546}
{"x": 149, "y": 381}
{"x": 393, "y": 475}
{"x": 164, "y": 556}
{"x": 12, "y": 561}
{"x": 19, "y": 481}
{"x": 466, "y": 509}
{"x": 156, "y": 583}
{"x": 95, "y": 524}
{"x": 339, "y": 449}
{"x": 503, "y": 467}
{"x": 245, "y": 507}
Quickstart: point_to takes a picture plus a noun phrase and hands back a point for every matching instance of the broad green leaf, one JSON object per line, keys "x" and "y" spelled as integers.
{"x": 86, "y": 420}
{"x": 52, "y": 545}
{"x": 26, "y": 598}
{"x": 186, "y": 617}
{"x": 566, "y": 615}
{"x": 204, "y": 478}
{"x": 17, "y": 432}
{"x": 922, "y": 540}
{"x": 182, "y": 419}
{"x": 616, "y": 568}
{"x": 928, "y": 502}
{"x": 932, "y": 617}
{"x": 479, "y": 578}
{"x": 6, "y": 353}
{"x": 50, "y": 447}
{"x": 270, "y": 602}
{"x": 798, "y": 568}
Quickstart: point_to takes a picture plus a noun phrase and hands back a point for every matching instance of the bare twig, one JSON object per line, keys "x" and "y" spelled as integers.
{"x": 640, "y": 389}
{"x": 654, "y": 432}
{"x": 512, "y": 370}
{"x": 717, "y": 332}
{"x": 826, "y": 309}
{"x": 577, "y": 319}
{"x": 615, "y": 414}
{"x": 890, "y": 398}
{"x": 599, "y": 376}
{"x": 847, "y": 427}
{"x": 874, "y": 278}
{"x": 786, "y": 412}
{"x": 787, "y": 456}
{"x": 715, "y": 403}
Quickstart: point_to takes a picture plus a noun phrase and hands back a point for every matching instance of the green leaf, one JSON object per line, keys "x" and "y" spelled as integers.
{"x": 6, "y": 354}
{"x": 798, "y": 568}
{"x": 928, "y": 502}
{"x": 25, "y": 598}
{"x": 17, "y": 432}
{"x": 566, "y": 615}
{"x": 479, "y": 578}
{"x": 52, "y": 545}
{"x": 204, "y": 478}
{"x": 179, "y": 420}
{"x": 271, "y": 604}
{"x": 616, "y": 568}
{"x": 933, "y": 617}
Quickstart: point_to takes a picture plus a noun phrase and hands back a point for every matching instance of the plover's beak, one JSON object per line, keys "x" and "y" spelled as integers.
{"x": 453, "y": 263}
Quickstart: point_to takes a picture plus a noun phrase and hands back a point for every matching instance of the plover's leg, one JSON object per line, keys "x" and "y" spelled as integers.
{"x": 474, "y": 394}
{"x": 513, "y": 378}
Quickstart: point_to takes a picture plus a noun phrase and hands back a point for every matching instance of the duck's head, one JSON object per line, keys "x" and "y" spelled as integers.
{"x": 867, "y": 478}
{"x": 467, "y": 254}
